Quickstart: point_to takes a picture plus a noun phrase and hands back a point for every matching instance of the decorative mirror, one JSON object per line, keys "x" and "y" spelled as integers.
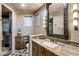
{"x": 57, "y": 20}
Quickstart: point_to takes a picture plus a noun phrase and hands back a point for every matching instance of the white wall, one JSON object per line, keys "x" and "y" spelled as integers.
{"x": 42, "y": 13}
{"x": 73, "y": 34}
{"x": 0, "y": 37}
{"x": 20, "y": 24}
{"x": 37, "y": 24}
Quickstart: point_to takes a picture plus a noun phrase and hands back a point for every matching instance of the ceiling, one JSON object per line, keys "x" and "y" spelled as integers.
{"x": 28, "y": 8}
{"x": 56, "y": 7}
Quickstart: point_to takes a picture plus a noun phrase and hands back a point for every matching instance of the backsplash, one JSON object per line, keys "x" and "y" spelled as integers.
{"x": 63, "y": 41}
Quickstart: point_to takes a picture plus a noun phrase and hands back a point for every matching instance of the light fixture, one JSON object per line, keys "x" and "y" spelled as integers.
{"x": 75, "y": 22}
{"x": 23, "y": 5}
{"x": 44, "y": 18}
{"x": 44, "y": 22}
{"x": 44, "y": 26}
{"x": 75, "y": 6}
{"x": 75, "y": 16}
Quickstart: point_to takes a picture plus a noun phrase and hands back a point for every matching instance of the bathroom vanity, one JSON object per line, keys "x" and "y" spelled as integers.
{"x": 39, "y": 50}
{"x": 40, "y": 47}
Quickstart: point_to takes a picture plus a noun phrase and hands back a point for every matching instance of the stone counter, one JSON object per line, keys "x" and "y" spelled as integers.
{"x": 61, "y": 50}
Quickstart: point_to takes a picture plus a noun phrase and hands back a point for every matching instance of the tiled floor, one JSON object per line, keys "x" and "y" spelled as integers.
{"x": 22, "y": 52}
{"x": 4, "y": 50}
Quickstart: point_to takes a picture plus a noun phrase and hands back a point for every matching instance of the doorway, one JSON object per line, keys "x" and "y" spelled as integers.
{"x": 6, "y": 30}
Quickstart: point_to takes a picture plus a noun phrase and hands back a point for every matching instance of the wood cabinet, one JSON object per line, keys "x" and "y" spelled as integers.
{"x": 34, "y": 49}
{"x": 41, "y": 51}
{"x": 38, "y": 50}
{"x": 49, "y": 53}
{"x": 19, "y": 42}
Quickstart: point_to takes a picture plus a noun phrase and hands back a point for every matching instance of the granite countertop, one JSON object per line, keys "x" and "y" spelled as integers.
{"x": 61, "y": 50}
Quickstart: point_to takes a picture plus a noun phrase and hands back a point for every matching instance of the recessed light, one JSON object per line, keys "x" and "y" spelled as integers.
{"x": 23, "y": 5}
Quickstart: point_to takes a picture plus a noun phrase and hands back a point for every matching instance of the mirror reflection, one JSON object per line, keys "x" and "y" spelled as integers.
{"x": 56, "y": 18}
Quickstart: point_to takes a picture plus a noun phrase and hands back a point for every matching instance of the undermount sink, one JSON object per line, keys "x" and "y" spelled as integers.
{"x": 49, "y": 44}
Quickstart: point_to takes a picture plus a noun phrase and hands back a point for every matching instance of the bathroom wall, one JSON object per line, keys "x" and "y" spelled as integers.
{"x": 42, "y": 13}
{"x": 73, "y": 35}
{"x": 25, "y": 30}
{"x": 20, "y": 24}
{"x": 0, "y": 28}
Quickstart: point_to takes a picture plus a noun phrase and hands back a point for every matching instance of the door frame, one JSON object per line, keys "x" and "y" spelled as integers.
{"x": 10, "y": 48}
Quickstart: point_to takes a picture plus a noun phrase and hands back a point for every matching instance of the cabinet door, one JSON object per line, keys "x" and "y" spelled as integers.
{"x": 23, "y": 44}
{"x": 34, "y": 49}
{"x": 49, "y": 53}
{"x": 17, "y": 42}
{"x": 41, "y": 51}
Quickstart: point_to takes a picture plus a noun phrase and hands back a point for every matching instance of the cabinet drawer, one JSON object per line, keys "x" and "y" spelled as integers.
{"x": 41, "y": 51}
{"x": 34, "y": 49}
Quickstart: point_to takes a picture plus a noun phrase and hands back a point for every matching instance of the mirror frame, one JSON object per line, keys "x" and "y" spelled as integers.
{"x": 66, "y": 34}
